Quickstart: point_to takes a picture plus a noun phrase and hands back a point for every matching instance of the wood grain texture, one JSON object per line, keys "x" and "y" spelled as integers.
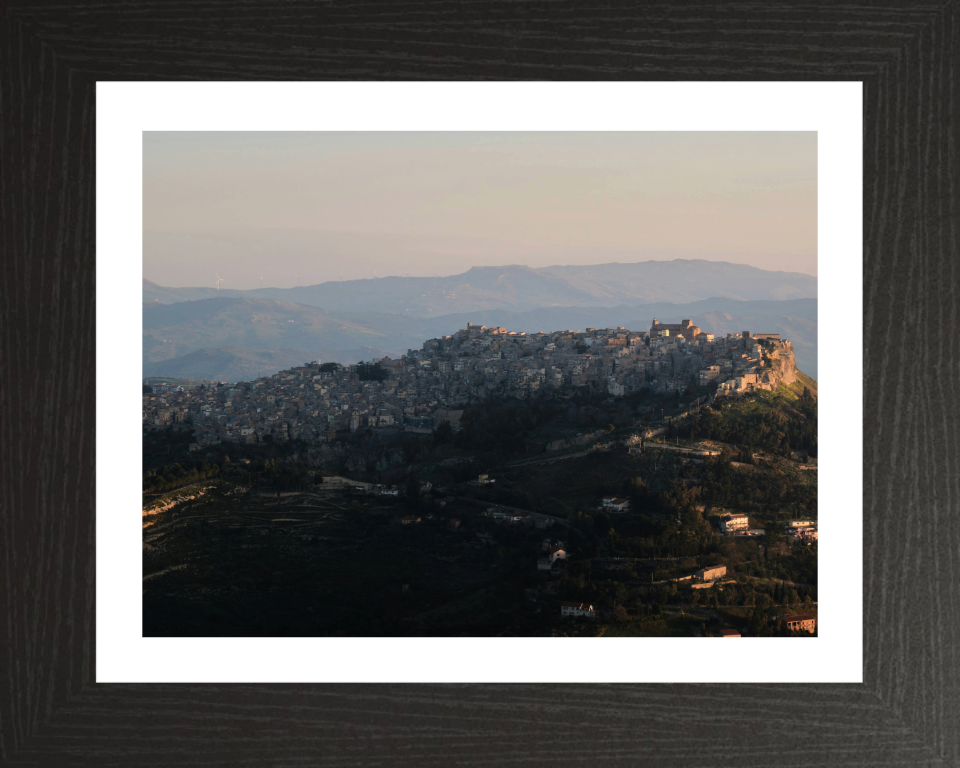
{"x": 907, "y": 713}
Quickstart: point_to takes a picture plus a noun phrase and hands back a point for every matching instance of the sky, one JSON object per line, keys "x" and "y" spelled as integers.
{"x": 309, "y": 207}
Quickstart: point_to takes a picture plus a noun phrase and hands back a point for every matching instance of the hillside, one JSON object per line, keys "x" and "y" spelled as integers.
{"x": 227, "y": 364}
{"x": 173, "y": 331}
{"x": 279, "y": 546}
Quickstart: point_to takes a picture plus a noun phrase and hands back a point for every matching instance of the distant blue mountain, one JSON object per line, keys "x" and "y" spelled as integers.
{"x": 521, "y": 288}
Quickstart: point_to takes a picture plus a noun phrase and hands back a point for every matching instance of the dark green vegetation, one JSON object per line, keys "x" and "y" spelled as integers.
{"x": 276, "y": 546}
{"x": 371, "y": 371}
{"x": 168, "y": 446}
{"x": 330, "y": 565}
{"x": 767, "y": 421}
{"x": 169, "y": 478}
{"x": 510, "y": 429}
{"x": 166, "y": 450}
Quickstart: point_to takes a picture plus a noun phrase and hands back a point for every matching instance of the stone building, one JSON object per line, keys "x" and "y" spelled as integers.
{"x": 686, "y": 328}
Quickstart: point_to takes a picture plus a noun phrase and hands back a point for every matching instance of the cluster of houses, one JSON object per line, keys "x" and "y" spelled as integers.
{"x": 433, "y": 384}
{"x": 739, "y": 525}
{"x": 555, "y": 557}
{"x": 571, "y": 610}
{"x": 802, "y": 530}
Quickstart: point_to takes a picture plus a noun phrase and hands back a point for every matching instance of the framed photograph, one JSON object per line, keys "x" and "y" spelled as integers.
{"x": 602, "y": 473}
{"x": 404, "y": 434}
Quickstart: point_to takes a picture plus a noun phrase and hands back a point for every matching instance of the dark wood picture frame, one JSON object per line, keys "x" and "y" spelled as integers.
{"x": 907, "y": 711}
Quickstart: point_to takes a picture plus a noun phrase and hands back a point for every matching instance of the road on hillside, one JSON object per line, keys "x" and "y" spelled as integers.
{"x": 530, "y": 512}
{"x": 551, "y": 459}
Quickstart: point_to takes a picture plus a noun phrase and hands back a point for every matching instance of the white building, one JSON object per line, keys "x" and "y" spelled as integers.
{"x": 613, "y": 504}
{"x": 734, "y": 523}
{"x": 804, "y": 534}
{"x": 577, "y": 609}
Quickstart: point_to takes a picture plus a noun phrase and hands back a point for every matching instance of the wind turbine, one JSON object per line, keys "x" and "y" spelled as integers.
{"x": 219, "y": 280}
{"x": 298, "y": 280}
{"x": 261, "y": 281}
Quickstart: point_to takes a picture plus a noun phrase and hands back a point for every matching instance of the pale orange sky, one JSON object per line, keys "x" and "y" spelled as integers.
{"x": 312, "y": 204}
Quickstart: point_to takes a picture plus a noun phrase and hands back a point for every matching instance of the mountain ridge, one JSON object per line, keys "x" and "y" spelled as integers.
{"x": 524, "y": 288}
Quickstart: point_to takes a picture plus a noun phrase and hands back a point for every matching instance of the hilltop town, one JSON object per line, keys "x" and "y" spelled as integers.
{"x": 604, "y": 481}
{"x": 428, "y": 386}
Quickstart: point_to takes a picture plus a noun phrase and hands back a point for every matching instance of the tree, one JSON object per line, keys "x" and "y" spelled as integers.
{"x": 371, "y": 371}
{"x": 620, "y": 613}
{"x": 413, "y": 487}
{"x": 443, "y": 433}
{"x": 758, "y": 621}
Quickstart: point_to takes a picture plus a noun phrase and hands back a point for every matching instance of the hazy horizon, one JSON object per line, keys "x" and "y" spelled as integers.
{"x": 377, "y": 204}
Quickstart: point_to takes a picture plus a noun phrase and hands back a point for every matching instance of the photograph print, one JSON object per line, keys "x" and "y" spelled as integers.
{"x": 479, "y": 384}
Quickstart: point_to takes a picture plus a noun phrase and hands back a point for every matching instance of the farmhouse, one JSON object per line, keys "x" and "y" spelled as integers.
{"x": 802, "y": 622}
{"x": 614, "y": 504}
{"x": 712, "y": 573}
{"x": 734, "y": 523}
{"x": 577, "y": 609}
